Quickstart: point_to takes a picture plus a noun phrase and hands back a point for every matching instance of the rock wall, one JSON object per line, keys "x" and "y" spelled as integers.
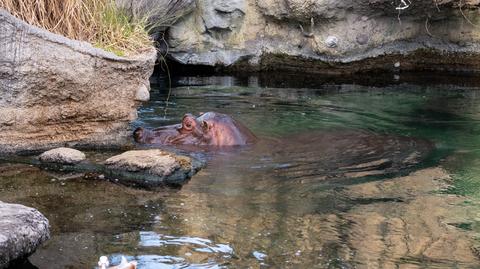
{"x": 55, "y": 91}
{"x": 329, "y": 36}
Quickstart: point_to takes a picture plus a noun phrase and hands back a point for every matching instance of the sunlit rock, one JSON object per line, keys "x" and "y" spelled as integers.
{"x": 152, "y": 167}
{"x": 62, "y": 155}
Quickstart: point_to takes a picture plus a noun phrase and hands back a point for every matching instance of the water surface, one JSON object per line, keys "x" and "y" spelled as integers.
{"x": 359, "y": 200}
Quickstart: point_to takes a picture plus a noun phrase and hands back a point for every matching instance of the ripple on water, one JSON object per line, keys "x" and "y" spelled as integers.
{"x": 185, "y": 251}
{"x": 153, "y": 239}
{"x": 164, "y": 262}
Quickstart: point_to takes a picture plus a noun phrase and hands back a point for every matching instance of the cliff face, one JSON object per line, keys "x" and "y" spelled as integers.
{"x": 55, "y": 91}
{"x": 329, "y": 36}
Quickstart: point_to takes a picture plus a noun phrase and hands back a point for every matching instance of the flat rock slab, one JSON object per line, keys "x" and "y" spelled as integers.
{"x": 22, "y": 230}
{"x": 62, "y": 155}
{"x": 153, "y": 167}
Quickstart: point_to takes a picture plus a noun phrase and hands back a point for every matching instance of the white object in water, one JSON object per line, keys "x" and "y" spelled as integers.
{"x": 124, "y": 264}
{"x": 103, "y": 262}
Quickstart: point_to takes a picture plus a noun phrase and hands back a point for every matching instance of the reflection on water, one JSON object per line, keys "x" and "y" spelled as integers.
{"x": 152, "y": 239}
{"x": 344, "y": 176}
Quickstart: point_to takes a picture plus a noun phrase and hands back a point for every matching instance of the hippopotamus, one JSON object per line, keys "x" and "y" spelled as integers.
{"x": 208, "y": 129}
{"x": 320, "y": 154}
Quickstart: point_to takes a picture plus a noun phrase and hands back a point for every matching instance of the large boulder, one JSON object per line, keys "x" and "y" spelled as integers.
{"x": 329, "y": 36}
{"x": 22, "y": 230}
{"x": 56, "y": 91}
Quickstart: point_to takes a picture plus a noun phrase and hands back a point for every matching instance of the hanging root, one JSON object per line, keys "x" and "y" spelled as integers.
{"x": 426, "y": 27}
{"x": 460, "y": 4}
{"x": 404, "y": 4}
{"x": 436, "y": 5}
{"x": 308, "y": 34}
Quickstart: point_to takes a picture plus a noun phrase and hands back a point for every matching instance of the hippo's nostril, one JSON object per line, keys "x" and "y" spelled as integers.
{"x": 138, "y": 134}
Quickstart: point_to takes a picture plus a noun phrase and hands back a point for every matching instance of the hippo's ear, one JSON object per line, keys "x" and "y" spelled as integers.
{"x": 205, "y": 126}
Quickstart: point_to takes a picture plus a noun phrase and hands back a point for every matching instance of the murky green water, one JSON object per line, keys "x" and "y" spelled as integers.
{"x": 286, "y": 203}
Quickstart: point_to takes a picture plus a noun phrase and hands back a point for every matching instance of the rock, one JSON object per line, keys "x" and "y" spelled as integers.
{"x": 150, "y": 168}
{"x": 228, "y": 34}
{"x": 331, "y": 41}
{"x": 56, "y": 91}
{"x": 22, "y": 230}
{"x": 143, "y": 94}
{"x": 223, "y": 15}
{"x": 137, "y": 168}
{"x": 62, "y": 155}
{"x": 155, "y": 162}
{"x": 362, "y": 39}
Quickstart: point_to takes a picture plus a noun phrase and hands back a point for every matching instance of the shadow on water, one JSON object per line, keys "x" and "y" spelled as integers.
{"x": 345, "y": 175}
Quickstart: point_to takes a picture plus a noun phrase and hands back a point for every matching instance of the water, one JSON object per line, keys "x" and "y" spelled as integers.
{"x": 345, "y": 176}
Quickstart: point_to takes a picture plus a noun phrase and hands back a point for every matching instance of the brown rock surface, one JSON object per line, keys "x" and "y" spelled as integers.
{"x": 153, "y": 167}
{"x": 62, "y": 155}
{"x": 56, "y": 91}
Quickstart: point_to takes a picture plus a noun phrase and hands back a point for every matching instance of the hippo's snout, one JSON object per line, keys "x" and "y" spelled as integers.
{"x": 138, "y": 134}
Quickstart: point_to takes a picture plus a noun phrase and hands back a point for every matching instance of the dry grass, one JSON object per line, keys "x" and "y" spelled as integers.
{"x": 99, "y": 22}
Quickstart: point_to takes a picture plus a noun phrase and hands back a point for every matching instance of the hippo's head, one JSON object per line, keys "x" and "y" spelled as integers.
{"x": 210, "y": 128}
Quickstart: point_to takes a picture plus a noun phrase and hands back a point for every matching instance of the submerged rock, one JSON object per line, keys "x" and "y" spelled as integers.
{"x": 22, "y": 230}
{"x": 150, "y": 168}
{"x": 62, "y": 155}
{"x": 56, "y": 91}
